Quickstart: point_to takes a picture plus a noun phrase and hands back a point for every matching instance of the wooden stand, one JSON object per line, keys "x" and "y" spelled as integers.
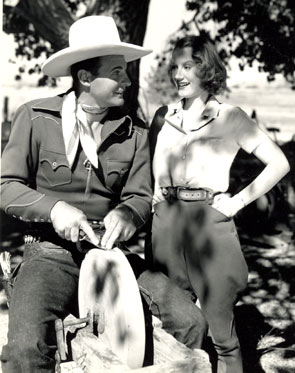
{"x": 86, "y": 353}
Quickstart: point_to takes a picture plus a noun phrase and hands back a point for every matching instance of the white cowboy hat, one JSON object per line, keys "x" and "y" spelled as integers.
{"x": 90, "y": 37}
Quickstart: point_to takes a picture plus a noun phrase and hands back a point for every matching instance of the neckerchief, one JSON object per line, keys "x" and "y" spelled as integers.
{"x": 75, "y": 127}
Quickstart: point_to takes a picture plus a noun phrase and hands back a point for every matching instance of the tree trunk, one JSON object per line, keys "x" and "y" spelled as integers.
{"x": 52, "y": 18}
{"x": 131, "y": 19}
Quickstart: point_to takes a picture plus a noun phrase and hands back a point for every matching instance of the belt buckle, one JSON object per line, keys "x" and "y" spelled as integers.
{"x": 187, "y": 196}
{"x": 194, "y": 194}
{"x": 178, "y": 191}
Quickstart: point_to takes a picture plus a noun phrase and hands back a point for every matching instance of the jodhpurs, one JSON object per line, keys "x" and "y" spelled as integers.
{"x": 198, "y": 248}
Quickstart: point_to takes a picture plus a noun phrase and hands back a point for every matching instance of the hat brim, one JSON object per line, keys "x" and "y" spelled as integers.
{"x": 59, "y": 63}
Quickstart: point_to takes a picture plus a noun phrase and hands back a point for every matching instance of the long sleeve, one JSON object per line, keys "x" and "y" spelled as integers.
{"x": 19, "y": 162}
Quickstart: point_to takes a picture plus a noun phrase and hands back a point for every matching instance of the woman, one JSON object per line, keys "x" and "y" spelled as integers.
{"x": 194, "y": 143}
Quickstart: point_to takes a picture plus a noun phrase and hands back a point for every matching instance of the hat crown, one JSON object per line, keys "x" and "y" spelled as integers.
{"x": 93, "y": 30}
{"x": 90, "y": 37}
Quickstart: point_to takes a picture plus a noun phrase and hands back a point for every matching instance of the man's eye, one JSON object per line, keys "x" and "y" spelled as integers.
{"x": 117, "y": 72}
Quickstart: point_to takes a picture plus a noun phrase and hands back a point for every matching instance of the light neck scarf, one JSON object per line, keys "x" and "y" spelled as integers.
{"x": 75, "y": 128}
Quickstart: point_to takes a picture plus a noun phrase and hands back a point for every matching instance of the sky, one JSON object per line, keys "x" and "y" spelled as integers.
{"x": 164, "y": 18}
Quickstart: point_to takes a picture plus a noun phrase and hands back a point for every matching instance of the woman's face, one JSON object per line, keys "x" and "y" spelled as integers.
{"x": 184, "y": 71}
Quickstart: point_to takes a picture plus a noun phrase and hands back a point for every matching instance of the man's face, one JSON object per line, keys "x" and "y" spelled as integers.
{"x": 110, "y": 82}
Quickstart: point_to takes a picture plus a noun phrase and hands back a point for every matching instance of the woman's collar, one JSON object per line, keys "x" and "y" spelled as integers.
{"x": 211, "y": 109}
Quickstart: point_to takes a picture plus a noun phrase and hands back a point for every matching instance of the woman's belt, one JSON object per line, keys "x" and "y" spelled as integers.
{"x": 188, "y": 194}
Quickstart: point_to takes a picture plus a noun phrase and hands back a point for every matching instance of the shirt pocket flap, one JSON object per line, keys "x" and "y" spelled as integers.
{"x": 55, "y": 160}
{"x": 117, "y": 173}
{"x": 55, "y": 168}
{"x": 119, "y": 167}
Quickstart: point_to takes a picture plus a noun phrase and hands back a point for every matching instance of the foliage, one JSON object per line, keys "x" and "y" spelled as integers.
{"x": 40, "y": 27}
{"x": 259, "y": 31}
{"x": 34, "y": 37}
{"x": 251, "y": 30}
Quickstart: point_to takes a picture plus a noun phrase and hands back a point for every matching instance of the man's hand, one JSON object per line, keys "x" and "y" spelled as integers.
{"x": 68, "y": 220}
{"x": 229, "y": 206}
{"x": 119, "y": 226}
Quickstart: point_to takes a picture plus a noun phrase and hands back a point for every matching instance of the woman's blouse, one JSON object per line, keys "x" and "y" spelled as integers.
{"x": 201, "y": 155}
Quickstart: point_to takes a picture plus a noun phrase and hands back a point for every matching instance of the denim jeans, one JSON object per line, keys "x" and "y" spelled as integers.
{"x": 45, "y": 289}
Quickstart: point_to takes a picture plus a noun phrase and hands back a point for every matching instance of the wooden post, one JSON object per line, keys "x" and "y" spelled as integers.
{"x": 60, "y": 338}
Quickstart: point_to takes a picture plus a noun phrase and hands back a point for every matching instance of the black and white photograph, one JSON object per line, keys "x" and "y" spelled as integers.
{"x": 147, "y": 201}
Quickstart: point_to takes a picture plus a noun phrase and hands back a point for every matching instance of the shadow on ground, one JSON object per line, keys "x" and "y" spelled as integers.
{"x": 265, "y": 314}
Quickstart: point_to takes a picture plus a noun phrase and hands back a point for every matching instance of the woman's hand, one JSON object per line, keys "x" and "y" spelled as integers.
{"x": 227, "y": 205}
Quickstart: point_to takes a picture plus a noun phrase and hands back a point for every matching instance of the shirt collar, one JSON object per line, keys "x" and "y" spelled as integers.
{"x": 54, "y": 104}
{"x": 210, "y": 112}
{"x": 212, "y": 108}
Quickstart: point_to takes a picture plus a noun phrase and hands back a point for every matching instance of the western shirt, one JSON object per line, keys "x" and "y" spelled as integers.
{"x": 36, "y": 173}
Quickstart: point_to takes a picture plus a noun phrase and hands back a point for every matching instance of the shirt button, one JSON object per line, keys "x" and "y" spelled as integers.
{"x": 54, "y": 164}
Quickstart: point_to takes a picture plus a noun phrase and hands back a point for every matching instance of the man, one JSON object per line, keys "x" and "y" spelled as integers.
{"x": 74, "y": 161}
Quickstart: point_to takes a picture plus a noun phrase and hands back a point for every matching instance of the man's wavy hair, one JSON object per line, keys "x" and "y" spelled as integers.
{"x": 92, "y": 65}
{"x": 212, "y": 72}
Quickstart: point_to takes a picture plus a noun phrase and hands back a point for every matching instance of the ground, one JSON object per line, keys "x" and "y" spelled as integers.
{"x": 266, "y": 313}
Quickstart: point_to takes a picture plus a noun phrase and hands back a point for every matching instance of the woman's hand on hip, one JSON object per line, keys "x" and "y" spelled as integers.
{"x": 227, "y": 205}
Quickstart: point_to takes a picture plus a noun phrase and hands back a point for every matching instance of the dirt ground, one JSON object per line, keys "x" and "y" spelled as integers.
{"x": 265, "y": 316}
{"x": 266, "y": 313}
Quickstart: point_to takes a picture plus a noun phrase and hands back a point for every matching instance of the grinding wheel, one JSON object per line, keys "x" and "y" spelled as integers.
{"x": 108, "y": 287}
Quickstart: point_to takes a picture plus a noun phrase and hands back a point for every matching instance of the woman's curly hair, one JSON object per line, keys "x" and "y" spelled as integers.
{"x": 212, "y": 72}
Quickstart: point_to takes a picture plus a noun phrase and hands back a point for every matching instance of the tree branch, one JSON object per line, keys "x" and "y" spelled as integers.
{"x": 50, "y": 18}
